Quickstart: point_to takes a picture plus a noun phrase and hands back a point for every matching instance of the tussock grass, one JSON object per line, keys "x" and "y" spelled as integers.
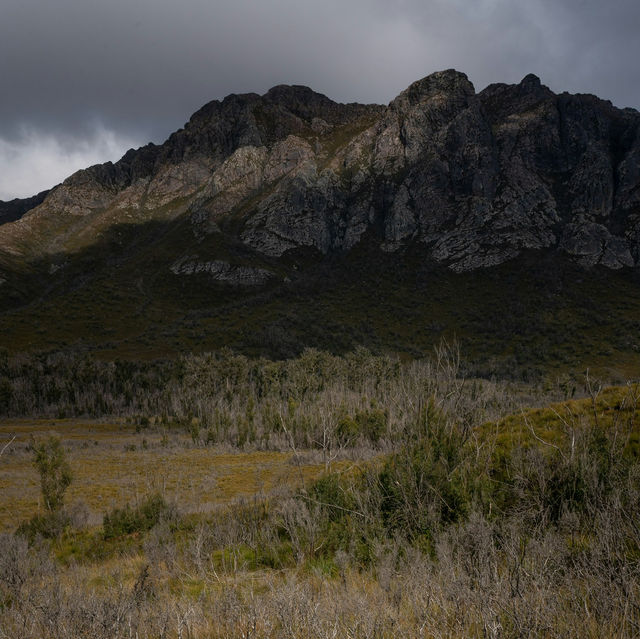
{"x": 613, "y": 409}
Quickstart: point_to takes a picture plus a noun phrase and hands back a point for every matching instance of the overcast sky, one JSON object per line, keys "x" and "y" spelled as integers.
{"x": 84, "y": 80}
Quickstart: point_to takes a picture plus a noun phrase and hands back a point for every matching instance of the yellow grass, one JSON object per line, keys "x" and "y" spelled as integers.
{"x": 108, "y": 471}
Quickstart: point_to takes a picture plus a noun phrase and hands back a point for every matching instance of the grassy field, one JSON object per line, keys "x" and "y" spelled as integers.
{"x": 113, "y": 465}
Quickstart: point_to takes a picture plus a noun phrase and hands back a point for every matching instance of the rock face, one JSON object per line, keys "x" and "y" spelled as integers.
{"x": 15, "y": 209}
{"x": 474, "y": 178}
{"x": 223, "y": 271}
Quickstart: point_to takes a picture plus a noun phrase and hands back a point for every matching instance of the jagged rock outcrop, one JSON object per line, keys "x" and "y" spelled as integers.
{"x": 222, "y": 271}
{"x": 474, "y": 178}
{"x": 14, "y": 209}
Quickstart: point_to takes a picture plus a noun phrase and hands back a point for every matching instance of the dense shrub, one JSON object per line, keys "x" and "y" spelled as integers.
{"x": 370, "y": 424}
{"x": 128, "y": 520}
{"x": 443, "y": 474}
{"x": 55, "y": 472}
{"x": 46, "y": 526}
{"x": 55, "y": 476}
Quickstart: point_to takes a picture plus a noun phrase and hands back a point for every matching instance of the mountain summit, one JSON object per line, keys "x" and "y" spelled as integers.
{"x": 256, "y": 189}
{"x": 474, "y": 178}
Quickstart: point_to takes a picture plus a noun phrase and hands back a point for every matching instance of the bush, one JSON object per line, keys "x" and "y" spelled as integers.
{"x": 55, "y": 477}
{"x": 422, "y": 490}
{"x": 19, "y": 565}
{"x": 55, "y": 472}
{"x": 128, "y": 520}
{"x": 368, "y": 424}
{"x": 372, "y": 423}
{"x": 330, "y": 493}
{"x": 47, "y": 526}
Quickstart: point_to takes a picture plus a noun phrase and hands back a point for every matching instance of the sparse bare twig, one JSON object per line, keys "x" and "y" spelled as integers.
{"x": 539, "y": 439}
{"x": 7, "y": 445}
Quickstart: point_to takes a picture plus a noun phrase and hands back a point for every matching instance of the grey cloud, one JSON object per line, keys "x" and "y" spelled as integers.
{"x": 141, "y": 67}
{"x": 34, "y": 160}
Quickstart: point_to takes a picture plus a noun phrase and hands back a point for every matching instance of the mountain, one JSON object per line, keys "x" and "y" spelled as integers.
{"x": 261, "y": 198}
{"x": 15, "y": 209}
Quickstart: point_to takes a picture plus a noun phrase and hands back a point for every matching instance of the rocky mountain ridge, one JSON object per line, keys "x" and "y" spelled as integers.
{"x": 13, "y": 210}
{"x": 472, "y": 178}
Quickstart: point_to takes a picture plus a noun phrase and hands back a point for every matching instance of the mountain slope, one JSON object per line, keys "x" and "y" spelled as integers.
{"x": 284, "y": 192}
{"x": 14, "y": 209}
{"x": 475, "y": 177}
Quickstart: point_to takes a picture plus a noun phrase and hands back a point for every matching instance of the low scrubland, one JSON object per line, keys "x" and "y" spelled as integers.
{"x": 418, "y": 502}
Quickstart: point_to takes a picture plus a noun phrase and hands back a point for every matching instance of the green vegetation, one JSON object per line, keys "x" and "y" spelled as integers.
{"x": 128, "y": 520}
{"x": 449, "y": 505}
{"x": 580, "y": 464}
{"x": 370, "y": 424}
{"x": 536, "y": 316}
{"x": 55, "y": 477}
{"x": 55, "y": 472}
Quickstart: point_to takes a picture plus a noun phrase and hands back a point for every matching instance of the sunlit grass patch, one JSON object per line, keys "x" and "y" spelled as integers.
{"x": 614, "y": 408}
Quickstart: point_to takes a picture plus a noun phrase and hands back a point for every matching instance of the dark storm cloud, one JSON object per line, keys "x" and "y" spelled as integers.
{"x": 84, "y": 79}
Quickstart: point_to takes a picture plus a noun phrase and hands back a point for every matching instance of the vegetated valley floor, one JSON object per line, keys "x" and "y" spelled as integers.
{"x": 372, "y": 498}
{"x": 113, "y": 465}
{"x": 323, "y": 493}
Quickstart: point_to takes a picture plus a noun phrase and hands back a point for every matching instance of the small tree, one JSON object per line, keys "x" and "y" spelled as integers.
{"x": 55, "y": 472}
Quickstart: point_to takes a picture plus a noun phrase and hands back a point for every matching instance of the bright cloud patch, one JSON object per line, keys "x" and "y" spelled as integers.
{"x": 35, "y": 161}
